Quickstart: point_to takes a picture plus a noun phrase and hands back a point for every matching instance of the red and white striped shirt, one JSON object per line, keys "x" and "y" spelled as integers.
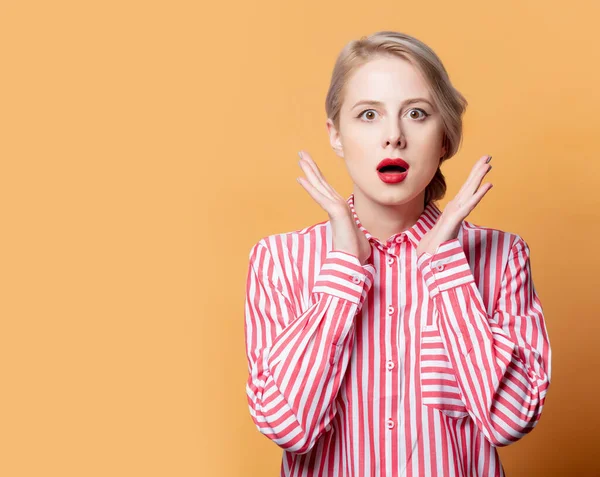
{"x": 404, "y": 366}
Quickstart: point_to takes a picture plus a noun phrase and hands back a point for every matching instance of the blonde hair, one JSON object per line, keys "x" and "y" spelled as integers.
{"x": 448, "y": 100}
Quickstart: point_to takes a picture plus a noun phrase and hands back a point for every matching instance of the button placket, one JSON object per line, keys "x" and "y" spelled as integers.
{"x": 390, "y": 364}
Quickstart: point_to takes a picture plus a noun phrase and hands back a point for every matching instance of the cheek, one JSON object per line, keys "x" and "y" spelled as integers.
{"x": 356, "y": 168}
{"x": 355, "y": 143}
{"x": 361, "y": 172}
{"x": 430, "y": 139}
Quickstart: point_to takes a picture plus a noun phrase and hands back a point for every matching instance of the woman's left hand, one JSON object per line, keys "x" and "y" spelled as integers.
{"x": 448, "y": 224}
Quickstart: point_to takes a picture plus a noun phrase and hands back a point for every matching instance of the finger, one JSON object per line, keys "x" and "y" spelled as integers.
{"x": 475, "y": 170}
{"x": 320, "y": 175}
{"x": 323, "y": 181}
{"x": 313, "y": 179}
{"x": 479, "y": 179}
{"x": 318, "y": 197}
{"x": 479, "y": 195}
{"x": 480, "y": 169}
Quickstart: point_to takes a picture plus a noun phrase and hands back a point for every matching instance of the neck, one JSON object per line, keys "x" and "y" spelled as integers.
{"x": 383, "y": 221}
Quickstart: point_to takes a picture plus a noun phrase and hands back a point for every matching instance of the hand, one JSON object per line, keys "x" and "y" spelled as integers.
{"x": 448, "y": 224}
{"x": 347, "y": 237}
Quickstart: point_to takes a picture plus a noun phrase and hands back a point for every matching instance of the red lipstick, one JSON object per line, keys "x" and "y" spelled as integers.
{"x": 392, "y": 171}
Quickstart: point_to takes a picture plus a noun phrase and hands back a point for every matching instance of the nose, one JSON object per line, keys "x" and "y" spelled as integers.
{"x": 395, "y": 137}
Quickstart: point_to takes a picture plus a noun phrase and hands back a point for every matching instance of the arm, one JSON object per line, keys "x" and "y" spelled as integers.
{"x": 502, "y": 361}
{"x": 296, "y": 360}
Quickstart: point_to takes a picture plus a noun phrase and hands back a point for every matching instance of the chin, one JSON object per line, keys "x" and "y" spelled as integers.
{"x": 385, "y": 194}
{"x": 402, "y": 192}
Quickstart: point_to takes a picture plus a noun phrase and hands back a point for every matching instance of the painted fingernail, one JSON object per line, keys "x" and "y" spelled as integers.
{"x": 489, "y": 159}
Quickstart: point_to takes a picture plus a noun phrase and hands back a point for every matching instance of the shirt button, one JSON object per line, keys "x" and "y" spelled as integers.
{"x": 400, "y": 239}
{"x": 356, "y": 278}
{"x": 390, "y": 365}
{"x": 390, "y": 260}
{"x": 390, "y": 310}
{"x": 390, "y": 424}
{"x": 439, "y": 268}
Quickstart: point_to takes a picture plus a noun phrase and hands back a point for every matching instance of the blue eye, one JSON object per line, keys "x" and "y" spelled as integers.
{"x": 425, "y": 114}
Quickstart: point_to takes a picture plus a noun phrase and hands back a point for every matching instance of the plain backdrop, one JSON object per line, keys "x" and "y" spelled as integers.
{"x": 146, "y": 146}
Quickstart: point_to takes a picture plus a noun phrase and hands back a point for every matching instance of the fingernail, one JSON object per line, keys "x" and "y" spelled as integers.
{"x": 489, "y": 159}
{"x": 300, "y": 154}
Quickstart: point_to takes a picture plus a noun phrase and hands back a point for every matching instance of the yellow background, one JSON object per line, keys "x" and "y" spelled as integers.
{"x": 146, "y": 146}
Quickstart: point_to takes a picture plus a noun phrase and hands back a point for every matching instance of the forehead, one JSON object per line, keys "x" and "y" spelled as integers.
{"x": 389, "y": 80}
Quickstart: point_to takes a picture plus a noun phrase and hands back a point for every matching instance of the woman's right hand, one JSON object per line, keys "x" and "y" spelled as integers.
{"x": 346, "y": 235}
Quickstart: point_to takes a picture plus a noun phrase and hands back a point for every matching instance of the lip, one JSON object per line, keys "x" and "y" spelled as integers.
{"x": 392, "y": 177}
{"x": 398, "y": 161}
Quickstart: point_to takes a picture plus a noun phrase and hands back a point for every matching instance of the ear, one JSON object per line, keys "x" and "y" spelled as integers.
{"x": 334, "y": 138}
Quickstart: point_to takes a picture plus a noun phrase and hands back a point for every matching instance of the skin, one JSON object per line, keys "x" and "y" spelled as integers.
{"x": 369, "y": 133}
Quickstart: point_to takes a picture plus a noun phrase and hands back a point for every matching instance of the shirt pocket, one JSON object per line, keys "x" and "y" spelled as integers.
{"x": 439, "y": 389}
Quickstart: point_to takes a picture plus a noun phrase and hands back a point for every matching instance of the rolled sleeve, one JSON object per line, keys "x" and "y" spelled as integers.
{"x": 343, "y": 276}
{"x": 447, "y": 268}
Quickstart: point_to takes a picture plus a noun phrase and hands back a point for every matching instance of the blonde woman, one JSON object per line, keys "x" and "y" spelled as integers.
{"x": 394, "y": 338}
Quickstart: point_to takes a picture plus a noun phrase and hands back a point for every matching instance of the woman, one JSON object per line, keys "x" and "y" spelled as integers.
{"x": 394, "y": 339}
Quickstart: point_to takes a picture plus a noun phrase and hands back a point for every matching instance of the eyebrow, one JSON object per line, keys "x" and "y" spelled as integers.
{"x": 404, "y": 103}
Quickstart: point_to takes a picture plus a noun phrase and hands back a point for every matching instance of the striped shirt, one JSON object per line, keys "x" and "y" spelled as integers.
{"x": 404, "y": 366}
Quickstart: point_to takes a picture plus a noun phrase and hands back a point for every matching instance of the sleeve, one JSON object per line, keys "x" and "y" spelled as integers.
{"x": 296, "y": 360}
{"x": 502, "y": 361}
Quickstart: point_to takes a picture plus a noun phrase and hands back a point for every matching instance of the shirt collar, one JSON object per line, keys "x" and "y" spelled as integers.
{"x": 424, "y": 224}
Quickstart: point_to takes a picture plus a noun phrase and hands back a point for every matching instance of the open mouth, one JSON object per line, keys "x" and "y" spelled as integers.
{"x": 392, "y": 173}
{"x": 391, "y": 169}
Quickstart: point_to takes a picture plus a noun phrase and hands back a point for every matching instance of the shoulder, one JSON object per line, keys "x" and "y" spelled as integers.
{"x": 501, "y": 242}
{"x": 279, "y": 245}
{"x": 286, "y": 259}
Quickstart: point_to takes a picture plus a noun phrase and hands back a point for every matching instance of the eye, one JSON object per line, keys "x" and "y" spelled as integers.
{"x": 421, "y": 118}
{"x": 425, "y": 114}
{"x": 360, "y": 115}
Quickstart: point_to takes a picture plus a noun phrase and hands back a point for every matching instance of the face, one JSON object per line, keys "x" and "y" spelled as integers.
{"x": 391, "y": 128}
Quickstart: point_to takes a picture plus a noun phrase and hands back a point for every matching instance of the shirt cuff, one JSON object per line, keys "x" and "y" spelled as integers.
{"x": 447, "y": 268}
{"x": 343, "y": 276}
